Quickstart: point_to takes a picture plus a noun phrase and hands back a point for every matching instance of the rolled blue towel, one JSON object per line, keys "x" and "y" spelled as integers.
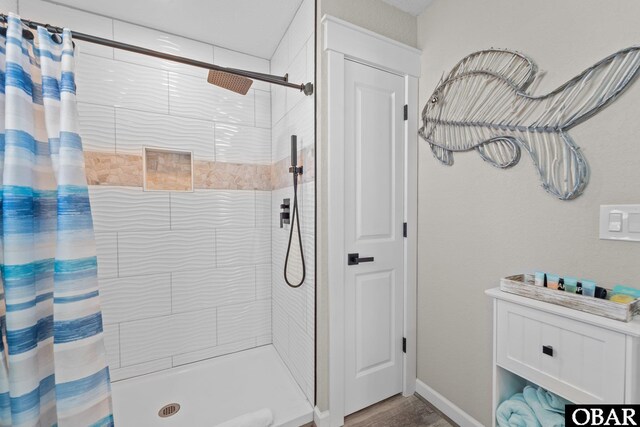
{"x": 545, "y": 417}
{"x": 552, "y": 402}
{"x": 515, "y": 412}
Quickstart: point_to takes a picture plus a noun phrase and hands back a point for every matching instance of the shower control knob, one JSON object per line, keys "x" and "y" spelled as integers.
{"x": 285, "y": 214}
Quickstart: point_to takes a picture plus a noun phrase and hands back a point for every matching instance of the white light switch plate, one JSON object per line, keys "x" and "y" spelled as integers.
{"x": 620, "y": 222}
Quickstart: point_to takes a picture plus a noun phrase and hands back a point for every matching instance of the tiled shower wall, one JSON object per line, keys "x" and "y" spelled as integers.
{"x": 183, "y": 276}
{"x": 293, "y": 114}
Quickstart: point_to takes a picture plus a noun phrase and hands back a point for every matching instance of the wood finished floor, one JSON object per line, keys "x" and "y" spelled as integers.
{"x": 398, "y": 411}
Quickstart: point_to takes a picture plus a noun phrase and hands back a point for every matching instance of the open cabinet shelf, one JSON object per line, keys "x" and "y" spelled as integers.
{"x": 506, "y": 384}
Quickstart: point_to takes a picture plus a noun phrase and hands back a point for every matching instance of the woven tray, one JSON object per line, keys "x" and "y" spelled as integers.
{"x": 522, "y": 284}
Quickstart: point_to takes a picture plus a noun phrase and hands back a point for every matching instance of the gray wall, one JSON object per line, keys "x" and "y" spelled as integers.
{"x": 478, "y": 223}
{"x": 383, "y": 19}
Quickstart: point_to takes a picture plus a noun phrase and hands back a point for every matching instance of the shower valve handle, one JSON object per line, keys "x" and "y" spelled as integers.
{"x": 285, "y": 214}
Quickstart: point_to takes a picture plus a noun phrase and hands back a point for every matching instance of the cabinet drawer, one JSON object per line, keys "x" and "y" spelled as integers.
{"x": 583, "y": 363}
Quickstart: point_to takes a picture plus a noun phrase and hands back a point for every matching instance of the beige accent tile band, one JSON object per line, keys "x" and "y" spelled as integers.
{"x": 231, "y": 176}
{"x": 126, "y": 170}
{"x": 113, "y": 169}
{"x": 280, "y": 175}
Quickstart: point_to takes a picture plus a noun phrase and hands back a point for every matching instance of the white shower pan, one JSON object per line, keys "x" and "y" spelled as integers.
{"x": 213, "y": 391}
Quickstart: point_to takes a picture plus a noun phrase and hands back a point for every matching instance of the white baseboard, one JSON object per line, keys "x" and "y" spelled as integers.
{"x": 446, "y": 406}
{"x": 321, "y": 418}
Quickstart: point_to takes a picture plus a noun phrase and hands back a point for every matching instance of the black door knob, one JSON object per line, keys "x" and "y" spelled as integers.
{"x": 354, "y": 259}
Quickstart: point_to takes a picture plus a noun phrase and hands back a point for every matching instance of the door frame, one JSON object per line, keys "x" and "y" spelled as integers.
{"x": 345, "y": 41}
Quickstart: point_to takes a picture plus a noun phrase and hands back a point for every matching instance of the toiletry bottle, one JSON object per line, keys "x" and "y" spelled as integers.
{"x": 561, "y": 284}
{"x": 570, "y": 284}
{"x": 588, "y": 288}
{"x": 600, "y": 293}
{"x": 622, "y": 298}
{"x": 626, "y": 290}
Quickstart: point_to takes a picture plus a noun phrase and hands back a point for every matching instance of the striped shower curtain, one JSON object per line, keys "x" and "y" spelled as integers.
{"x": 53, "y": 368}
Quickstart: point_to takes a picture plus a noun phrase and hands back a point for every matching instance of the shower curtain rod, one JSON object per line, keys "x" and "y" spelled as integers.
{"x": 306, "y": 88}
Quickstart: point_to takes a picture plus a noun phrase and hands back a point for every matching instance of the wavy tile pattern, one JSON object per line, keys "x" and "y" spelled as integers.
{"x": 243, "y": 247}
{"x": 263, "y": 340}
{"x": 243, "y": 144}
{"x": 146, "y": 252}
{"x": 160, "y": 337}
{"x": 107, "y": 251}
{"x": 231, "y": 107}
{"x": 201, "y": 289}
{"x": 280, "y": 330}
{"x": 293, "y": 299}
{"x": 301, "y": 356}
{"x": 299, "y": 121}
{"x": 129, "y": 209}
{"x": 242, "y": 321}
{"x": 278, "y": 104}
{"x": 194, "y": 97}
{"x": 263, "y": 109}
{"x": 263, "y": 281}
{"x": 209, "y": 209}
{"x": 97, "y": 127}
{"x": 136, "y": 129}
{"x": 263, "y": 209}
{"x": 112, "y": 344}
{"x": 306, "y": 199}
{"x": 137, "y": 297}
{"x": 120, "y": 84}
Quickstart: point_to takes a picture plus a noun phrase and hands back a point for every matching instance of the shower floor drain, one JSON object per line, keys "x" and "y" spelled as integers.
{"x": 169, "y": 410}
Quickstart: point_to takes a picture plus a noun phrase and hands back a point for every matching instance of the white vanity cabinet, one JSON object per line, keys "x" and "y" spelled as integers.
{"x": 580, "y": 356}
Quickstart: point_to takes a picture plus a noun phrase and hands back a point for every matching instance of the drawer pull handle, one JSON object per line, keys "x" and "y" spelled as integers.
{"x": 548, "y": 350}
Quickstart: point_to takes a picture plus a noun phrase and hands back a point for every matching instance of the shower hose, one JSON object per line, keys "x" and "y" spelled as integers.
{"x": 295, "y": 218}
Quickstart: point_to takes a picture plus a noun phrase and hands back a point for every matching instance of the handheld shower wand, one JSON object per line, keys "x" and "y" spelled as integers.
{"x": 295, "y": 218}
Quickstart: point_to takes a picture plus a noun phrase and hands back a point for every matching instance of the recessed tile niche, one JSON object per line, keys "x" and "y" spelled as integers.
{"x": 167, "y": 170}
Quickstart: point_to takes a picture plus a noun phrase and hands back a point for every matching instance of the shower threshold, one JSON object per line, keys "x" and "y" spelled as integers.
{"x": 213, "y": 391}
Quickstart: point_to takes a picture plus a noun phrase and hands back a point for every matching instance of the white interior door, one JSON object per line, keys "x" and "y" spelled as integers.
{"x": 374, "y": 191}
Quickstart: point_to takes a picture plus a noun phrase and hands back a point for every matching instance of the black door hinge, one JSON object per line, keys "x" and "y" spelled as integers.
{"x": 406, "y": 112}
{"x": 404, "y": 229}
{"x": 404, "y": 345}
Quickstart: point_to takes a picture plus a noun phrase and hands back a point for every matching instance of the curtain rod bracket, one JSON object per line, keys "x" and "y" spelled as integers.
{"x": 307, "y": 88}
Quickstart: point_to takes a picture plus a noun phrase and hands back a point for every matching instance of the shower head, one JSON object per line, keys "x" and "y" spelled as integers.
{"x": 232, "y": 82}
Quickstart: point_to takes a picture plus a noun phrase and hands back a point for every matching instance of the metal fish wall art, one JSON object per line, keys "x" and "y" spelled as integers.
{"x": 483, "y": 105}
